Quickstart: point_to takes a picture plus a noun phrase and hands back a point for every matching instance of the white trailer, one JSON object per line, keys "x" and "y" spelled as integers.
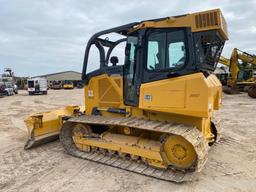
{"x": 37, "y": 86}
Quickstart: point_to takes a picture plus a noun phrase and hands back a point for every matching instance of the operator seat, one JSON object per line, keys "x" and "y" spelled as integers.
{"x": 114, "y": 60}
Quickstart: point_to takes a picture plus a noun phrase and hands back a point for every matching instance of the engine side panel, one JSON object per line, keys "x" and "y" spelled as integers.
{"x": 104, "y": 91}
{"x": 191, "y": 95}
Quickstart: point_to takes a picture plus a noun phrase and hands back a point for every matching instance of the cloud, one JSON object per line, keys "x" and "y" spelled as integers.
{"x": 253, "y": 29}
{"x": 38, "y": 37}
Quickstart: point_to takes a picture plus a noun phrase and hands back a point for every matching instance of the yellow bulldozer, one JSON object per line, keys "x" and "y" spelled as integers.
{"x": 152, "y": 115}
{"x": 242, "y": 67}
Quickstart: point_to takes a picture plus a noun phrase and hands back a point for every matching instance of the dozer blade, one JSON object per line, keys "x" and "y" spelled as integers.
{"x": 44, "y": 127}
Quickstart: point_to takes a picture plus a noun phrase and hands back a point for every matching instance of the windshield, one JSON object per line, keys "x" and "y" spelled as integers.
{"x": 30, "y": 84}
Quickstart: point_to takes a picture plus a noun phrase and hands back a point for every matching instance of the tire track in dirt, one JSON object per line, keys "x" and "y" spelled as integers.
{"x": 18, "y": 162}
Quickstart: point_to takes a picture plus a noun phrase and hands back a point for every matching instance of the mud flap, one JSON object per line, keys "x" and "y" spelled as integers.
{"x": 44, "y": 127}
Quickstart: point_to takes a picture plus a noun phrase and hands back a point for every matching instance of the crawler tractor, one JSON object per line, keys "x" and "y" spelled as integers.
{"x": 152, "y": 114}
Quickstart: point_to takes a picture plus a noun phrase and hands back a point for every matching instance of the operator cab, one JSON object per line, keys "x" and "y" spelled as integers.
{"x": 154, "y": 53}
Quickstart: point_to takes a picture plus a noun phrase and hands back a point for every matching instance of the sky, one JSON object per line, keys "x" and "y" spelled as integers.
{"x": 47, "y": 36}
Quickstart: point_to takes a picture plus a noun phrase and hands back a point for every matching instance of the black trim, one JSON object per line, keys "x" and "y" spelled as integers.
{"x": 137, "y": 72}
{"x": 123, "y": 30}
{"x": 117, "y": 111}
{"x": 209, "y": 63}
{"x": 112, "y": 47}
{"x": 95, "y": 111}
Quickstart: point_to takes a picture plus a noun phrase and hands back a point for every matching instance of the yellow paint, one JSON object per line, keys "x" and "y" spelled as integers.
{"x": 103, "y": 92}
{"x": 179, "y": 152}
{"x": 189, "y": 99}
{"x": 43, "y": 125}
{"x": 200, "y": 21}
{"x": 68, "y": 86}
{"x": 192, "y": 95}
{"x": 125, "y": 145}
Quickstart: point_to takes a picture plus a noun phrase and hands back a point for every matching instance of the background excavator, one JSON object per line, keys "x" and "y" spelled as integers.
{"x": 152, "y": 115}
{"x": 242, "y": 67}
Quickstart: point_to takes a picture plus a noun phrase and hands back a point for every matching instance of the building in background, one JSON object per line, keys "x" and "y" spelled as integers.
{"x": 73, "y": 76}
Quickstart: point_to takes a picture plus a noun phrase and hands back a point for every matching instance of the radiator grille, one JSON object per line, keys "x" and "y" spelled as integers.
{"x": 207, "y": 20}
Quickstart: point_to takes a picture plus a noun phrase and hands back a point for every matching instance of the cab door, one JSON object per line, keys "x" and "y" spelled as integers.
{"x": 131, "y": 87}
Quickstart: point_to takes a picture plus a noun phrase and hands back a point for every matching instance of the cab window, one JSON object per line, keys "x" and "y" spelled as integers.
{"x": 166, "y": 50}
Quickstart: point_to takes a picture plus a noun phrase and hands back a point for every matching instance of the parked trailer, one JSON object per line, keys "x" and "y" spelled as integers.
{"x": 37, "y": 86}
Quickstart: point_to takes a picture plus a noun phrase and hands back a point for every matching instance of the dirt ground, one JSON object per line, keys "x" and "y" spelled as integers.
{"x": 231, "y": 165}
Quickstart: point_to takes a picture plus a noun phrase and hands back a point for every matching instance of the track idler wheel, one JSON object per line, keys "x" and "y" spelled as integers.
{"x": 82, "y": 130}
{"x": 252, "y": 91}
{"x": 179, "y": 152}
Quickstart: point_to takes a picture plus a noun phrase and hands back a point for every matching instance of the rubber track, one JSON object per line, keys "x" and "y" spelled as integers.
{"x": 190, "y": 133}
